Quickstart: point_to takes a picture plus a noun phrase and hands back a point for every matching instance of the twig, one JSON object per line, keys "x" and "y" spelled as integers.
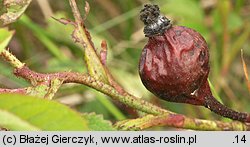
{"x": 82, "y": 36}
{"x": 74, "y": 77}
{"x": 164, "y": 117}
{"x": 94, "y": 64}
{"x": 10, "y": 58}
{"x": 75, "y": 11}
{"x": 18, "y": 90}
{"x": 180, "y": 121}
{"x": 100, "y": 79}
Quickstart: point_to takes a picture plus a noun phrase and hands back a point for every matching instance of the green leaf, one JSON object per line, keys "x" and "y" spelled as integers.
{"x": 39, "y": 91}
{"x": 55, "y": 84}
{"x": 12, "y": 10}
{"x": 97, "y": 123}
{"x": 20, "y": 112}
{"x": 5, "y": 36}
{"x": 45, "y": 91}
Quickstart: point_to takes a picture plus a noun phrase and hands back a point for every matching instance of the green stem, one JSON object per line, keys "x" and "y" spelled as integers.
{"x": 11, "y": 59}
{"x": 81, "y": 35}
{"x": 180, "y": 121}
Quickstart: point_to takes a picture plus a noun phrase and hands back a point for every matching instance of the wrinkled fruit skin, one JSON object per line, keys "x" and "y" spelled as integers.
{"x": 175, "y": 63}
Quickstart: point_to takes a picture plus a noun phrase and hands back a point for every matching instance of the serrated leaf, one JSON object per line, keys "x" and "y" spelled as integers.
{"x": 5, "y": 36}
{"x": 97, "y": 123}
{"x": 12, "y": 10}
{"x": 20, "y": 112}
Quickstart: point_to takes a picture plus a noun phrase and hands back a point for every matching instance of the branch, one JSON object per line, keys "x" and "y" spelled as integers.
{"x": 18, "y": 90}
{"x": 100, "y": 79}
{"x": 180, "y": 121}
{"x": 164, "y": 117}
{"x": 94, "y": 63}
{"x": 10, "y": 58}
{"x": 82, "y": 36}
{"x": 74, "y": 77}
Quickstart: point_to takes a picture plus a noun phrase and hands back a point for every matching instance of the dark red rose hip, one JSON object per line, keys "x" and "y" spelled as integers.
{"x": 174, "y": 64}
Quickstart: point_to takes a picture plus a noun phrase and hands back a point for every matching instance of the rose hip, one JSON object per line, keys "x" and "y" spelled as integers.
{"x": 174, "y": 64}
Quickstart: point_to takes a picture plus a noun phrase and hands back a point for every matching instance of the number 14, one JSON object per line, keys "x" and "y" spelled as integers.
{"x": 240, "y": 139}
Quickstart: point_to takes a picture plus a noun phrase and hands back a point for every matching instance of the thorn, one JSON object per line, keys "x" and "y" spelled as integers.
{"x": 86, "y": 8}
{"x": 103, "y": 53}
{"x": 64, "y": 21}
{"x": 74, "y": 37}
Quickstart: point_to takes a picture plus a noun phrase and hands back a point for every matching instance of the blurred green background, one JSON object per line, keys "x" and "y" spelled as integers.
{"x": 45, "y": 45}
